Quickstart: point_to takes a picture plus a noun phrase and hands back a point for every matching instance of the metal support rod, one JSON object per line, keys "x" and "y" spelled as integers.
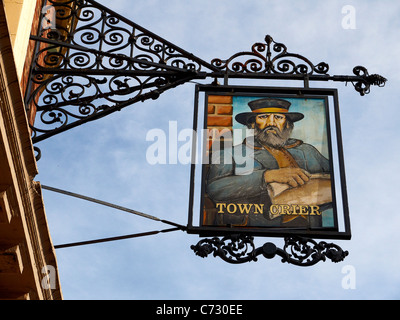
{"x": 306, "y": 82}
{"x": 129, "y": 236}
{"x": 104, "y": 203}
{"x": 111, "y": 205}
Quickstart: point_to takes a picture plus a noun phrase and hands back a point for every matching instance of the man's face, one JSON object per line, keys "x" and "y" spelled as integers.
{"x": 271, "y": 120}
{"x": 272, "y": 129}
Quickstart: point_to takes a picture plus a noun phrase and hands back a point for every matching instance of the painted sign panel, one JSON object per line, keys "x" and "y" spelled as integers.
{"x": 269, "y": 163}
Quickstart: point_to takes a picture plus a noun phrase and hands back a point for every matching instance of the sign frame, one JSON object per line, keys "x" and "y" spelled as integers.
{"x": 339, "y": 194}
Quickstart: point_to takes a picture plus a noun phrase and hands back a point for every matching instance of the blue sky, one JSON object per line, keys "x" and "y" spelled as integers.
{"x": 106, "y": 159}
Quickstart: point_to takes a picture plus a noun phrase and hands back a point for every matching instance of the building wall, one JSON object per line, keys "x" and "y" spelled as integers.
{"x": 19, "y": 14}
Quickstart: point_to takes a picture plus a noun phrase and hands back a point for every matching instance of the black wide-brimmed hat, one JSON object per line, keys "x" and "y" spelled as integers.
{"x": 268, "y": 105}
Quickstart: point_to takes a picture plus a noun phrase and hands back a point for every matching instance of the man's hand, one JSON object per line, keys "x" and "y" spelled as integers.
{"x": 294, "y": 177}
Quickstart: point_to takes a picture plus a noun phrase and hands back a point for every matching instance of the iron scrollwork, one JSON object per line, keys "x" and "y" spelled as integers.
{"x": 96, "y": 62}
{"x": 232, "y": 249}
{"x": 298, "y": 251}
{"x": 307, "y": 252}
{"x": 271, "y": 59}
{"x": 366, "y": 80}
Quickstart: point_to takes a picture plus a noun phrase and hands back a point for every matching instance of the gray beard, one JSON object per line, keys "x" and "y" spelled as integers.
{"x": 275, "y": 140}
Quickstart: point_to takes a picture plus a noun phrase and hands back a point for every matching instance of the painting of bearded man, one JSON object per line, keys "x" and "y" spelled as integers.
{"x": 289, "y": 181}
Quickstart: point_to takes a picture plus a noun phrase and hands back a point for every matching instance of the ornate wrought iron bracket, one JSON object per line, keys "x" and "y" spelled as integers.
{"x": 299, "y": 251}
{"x": 95, "y": 62}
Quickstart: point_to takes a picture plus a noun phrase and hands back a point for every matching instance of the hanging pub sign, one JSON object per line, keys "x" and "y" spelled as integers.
{"x": 272, "y": 163}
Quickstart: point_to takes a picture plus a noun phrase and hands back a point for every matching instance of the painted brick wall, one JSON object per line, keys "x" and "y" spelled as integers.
{"x": 219, "y": 119}
{"x": 219, "y": 123}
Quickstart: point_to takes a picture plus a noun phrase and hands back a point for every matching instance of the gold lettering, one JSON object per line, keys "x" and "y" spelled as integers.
{"x": 303, "y": 210}
{"x": 231, "y": 205}
{"x": 314, "y": 211}
{"x": 219, "y": 207}
{"x": 274, "y": 209}
{"x": 294, "y": 209}
{"x": 285, "y": 209}
{"x": 245, "y": 207}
